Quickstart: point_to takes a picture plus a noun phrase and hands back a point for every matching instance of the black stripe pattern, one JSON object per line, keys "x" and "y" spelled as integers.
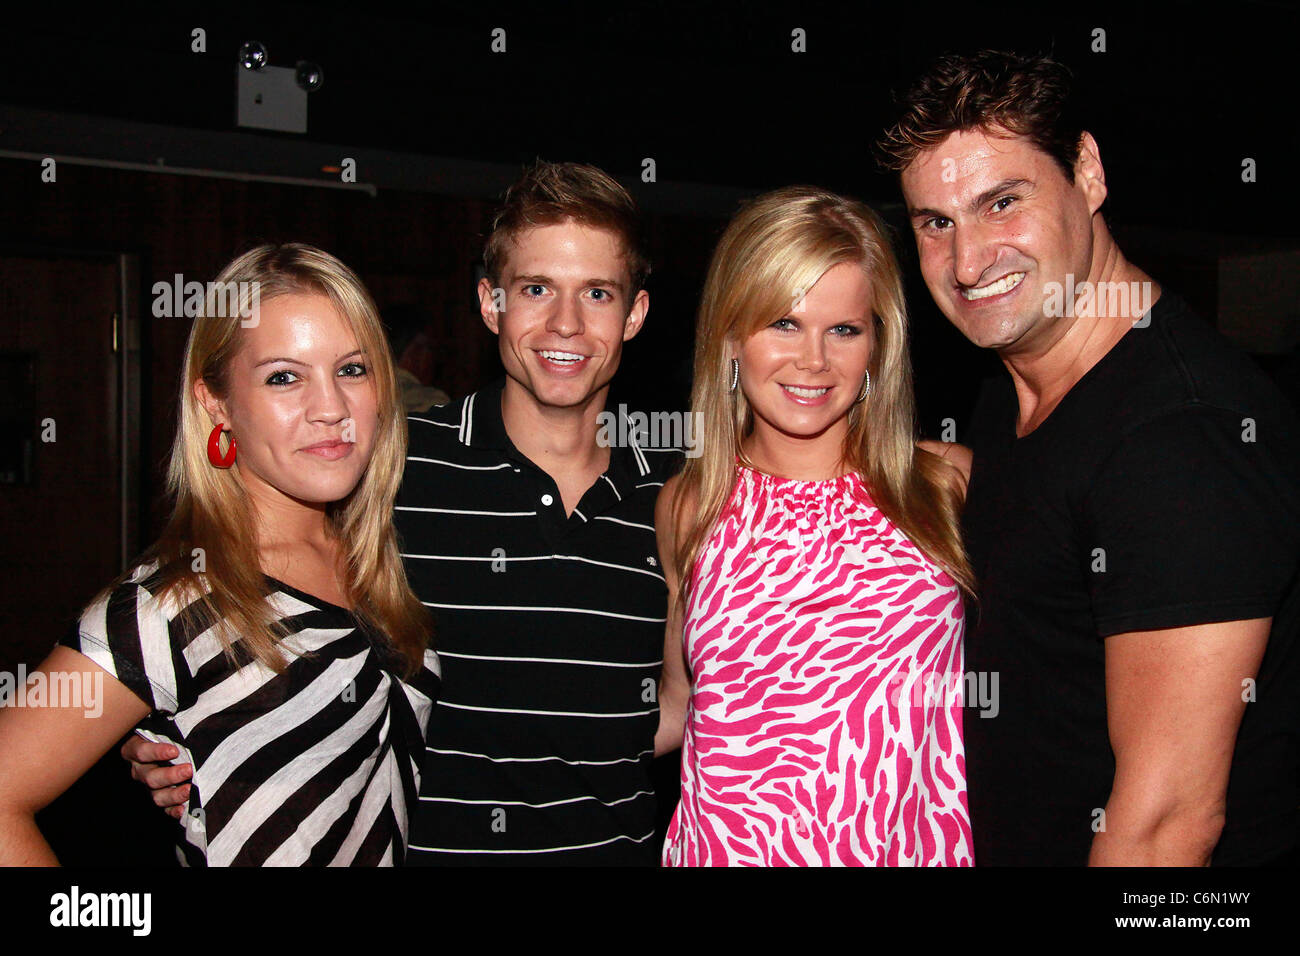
{"x": 550, "y": 630}
{"x": 315, "y": 766}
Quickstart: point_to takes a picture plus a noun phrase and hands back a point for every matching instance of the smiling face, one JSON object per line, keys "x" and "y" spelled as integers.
{"x": 300, "y": 403}
{"x": 568, "y": 311}
{"x": 996, "y": 223}
{"x": 802, "y": 374}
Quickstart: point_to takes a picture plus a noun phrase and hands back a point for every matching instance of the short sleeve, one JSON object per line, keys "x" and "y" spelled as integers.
{"x": 127, "y": 633}
{"x": 422, "y": 688}
{"x": 1193, "y": 519}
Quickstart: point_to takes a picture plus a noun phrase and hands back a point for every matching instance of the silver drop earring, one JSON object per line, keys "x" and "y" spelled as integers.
{"x": 735, "y": 373}
{"x": 866, "y": 388}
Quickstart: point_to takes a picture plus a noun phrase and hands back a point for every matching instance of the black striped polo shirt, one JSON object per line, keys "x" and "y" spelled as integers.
{"x": 550, "y": 629}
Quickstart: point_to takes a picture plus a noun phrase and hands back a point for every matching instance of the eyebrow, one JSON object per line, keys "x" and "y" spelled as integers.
{"x": 292, "y": 361}
{"x": 832, "y": 323}
{"x": 864, "y": 318}
{"x": 547, "y": 280}
{"x": 983, "y": 198}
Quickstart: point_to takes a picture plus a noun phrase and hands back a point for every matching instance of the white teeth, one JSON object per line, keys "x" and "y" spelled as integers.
{"x": 805, "y": 392}
{"x": 1005, "y": 284}
{"x": 555, "y": 356}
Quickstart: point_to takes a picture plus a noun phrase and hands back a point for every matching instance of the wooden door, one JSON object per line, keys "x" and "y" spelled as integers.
{"x": 61, "y": 457}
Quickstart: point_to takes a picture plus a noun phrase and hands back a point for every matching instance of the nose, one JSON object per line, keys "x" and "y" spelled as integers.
{"x": 973, "y": 251}
{"x": 812, "y": 353}
{"x": 565, "y": 318}
{"x": 326, "y": 401}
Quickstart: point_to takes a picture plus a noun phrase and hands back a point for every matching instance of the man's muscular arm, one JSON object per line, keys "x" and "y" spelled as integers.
{"x": 1174, "y": 703}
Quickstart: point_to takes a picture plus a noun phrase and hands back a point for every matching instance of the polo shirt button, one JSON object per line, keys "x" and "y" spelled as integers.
{"x": 547, "y": 500}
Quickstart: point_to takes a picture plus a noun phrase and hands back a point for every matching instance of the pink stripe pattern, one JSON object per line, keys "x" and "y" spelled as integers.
{"x": 825, "y": 725}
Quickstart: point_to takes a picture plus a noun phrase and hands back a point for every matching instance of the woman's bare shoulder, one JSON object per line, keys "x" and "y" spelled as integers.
{"x": 959, "y": 456}
{"x": 666, "y": 506}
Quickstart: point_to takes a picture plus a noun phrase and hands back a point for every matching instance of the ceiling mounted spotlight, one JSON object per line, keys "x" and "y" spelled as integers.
{"x": 309, "y": 75}
{"x": 253, "y": 55}
{"x": 273, "y": 97}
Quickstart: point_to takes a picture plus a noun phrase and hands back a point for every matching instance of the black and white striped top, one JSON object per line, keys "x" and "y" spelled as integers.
{"x": 550, "y": 629}
{"x": 315, "y": 766}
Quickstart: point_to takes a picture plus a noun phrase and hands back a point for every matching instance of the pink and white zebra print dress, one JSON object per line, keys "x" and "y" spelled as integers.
{"x": 824, "y": 724}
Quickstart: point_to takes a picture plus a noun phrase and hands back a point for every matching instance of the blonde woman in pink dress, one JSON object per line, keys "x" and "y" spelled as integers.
{"x": 813, "y": 659}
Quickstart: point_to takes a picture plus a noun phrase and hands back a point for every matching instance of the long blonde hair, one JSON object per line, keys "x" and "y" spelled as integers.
{"x": 213, "y": 511}
{"x": 776, "y": 248}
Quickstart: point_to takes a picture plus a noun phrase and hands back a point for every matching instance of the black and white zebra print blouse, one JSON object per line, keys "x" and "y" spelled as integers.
{"x": 315, "y": 766}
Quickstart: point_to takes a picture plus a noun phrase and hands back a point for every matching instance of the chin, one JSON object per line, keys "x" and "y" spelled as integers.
{"x": 324, "y": 496}
{"x": 563, "y": 394}
{"x": 1005, "y": 337}
{"x": 988, "y": 333}
{"x": 802, "y": 426}
{"x": 324, "y": 489}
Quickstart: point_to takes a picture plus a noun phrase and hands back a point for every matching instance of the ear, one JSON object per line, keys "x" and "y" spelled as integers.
{"x": 1089, "y": 174}
{"x": 215, "y": 407}
{"x": 730, "y": 348}
{"x": 636, "y": 315}
{"x": 487, "y": 305}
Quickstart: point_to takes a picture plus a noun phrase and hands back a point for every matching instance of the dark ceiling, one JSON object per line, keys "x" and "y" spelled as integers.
{"x": 1181, "y": 95}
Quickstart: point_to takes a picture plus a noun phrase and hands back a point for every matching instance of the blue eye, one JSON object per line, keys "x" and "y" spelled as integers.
{"x": 528, "y": 289}
{"x": 848, "y": 331}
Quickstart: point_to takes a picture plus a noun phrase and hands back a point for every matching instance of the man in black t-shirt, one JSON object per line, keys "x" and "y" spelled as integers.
{"x": 1133, "y": 515}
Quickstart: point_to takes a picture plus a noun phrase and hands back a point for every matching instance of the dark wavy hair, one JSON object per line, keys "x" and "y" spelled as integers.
{"x": 1028, "y": 96}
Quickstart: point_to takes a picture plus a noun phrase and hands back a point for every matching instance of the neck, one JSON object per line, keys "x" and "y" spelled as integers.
{"x": 284, "y": 523}
{"x": 796, "y": 457}
{"x": 1046, "y": 371}
{"x": 554, "y": 438}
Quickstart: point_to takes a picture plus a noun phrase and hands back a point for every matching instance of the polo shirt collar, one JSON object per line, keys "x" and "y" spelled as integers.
{"x": 481, "y": 426}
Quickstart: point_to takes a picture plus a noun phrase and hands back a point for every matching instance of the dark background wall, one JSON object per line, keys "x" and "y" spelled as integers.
{"x": 152, "y": 166}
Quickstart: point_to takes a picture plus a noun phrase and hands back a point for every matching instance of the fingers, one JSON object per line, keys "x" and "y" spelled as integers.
{"x": 167, "y": 784}
{"x": 171, "y": 798}
{"x": 162, "y": 776}
{"x": 139, "y": 751}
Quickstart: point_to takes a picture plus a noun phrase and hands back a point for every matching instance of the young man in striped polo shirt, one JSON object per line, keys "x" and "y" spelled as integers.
{"x": 527, "y": 524}
{"x": 533, "y": 543}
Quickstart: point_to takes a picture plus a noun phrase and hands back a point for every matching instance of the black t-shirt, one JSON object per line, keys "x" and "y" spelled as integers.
{"x": 1163, "y": 491}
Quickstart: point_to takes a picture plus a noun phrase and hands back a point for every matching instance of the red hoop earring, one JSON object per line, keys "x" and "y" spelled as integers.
{"x": 214, "y": 449}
